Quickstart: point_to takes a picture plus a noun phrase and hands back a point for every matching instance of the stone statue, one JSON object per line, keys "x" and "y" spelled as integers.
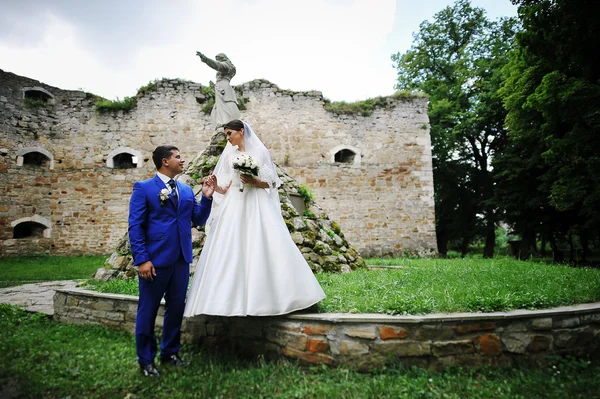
{"x": 226, "y": 107}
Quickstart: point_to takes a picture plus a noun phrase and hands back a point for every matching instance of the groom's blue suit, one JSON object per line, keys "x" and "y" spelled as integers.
{"x": 162, "y": 234}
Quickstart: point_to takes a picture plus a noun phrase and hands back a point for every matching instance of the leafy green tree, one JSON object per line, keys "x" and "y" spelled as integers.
{"x": 550, "y": 179}
{"x": 457, "y": 60}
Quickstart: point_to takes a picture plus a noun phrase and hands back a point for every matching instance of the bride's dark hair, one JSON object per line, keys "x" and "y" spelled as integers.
{"x": 235, "y": 124}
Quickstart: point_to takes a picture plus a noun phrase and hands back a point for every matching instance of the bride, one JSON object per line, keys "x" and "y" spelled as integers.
{"x": 249, "y": 265}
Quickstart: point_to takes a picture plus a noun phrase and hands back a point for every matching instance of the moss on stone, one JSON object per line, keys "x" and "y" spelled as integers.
{"x": 310, "y": 235}
{"x": 336, "y": 228}
{"x": 289, "y": 224}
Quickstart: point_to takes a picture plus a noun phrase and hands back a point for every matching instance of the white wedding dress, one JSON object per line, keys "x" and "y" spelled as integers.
{"x": 249, "y": 264}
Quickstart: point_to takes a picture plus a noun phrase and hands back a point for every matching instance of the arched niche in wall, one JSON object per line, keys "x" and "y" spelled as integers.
{"x": 345, "y": 154}
{"x": 32, "y": 227}
{"x": 35, "y": 156}
{"x": 38, "y": 94}
{"x": 124, "y": 158}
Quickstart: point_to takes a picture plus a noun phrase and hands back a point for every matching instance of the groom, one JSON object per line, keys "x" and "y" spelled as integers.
{"x": 161, "y": 212}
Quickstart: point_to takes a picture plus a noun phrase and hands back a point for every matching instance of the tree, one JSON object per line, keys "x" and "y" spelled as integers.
{"x": 552, "y": 95}
{"x": 457, "y": 60}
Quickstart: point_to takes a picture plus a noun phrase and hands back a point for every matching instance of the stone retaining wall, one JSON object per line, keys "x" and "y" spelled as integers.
{"x": 366, "y": 341}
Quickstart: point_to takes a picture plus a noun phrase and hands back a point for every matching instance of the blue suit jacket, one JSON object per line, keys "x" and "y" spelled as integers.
{"x": 160, "y": 233}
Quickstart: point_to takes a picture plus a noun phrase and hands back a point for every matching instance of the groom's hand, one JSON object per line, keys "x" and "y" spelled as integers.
{"x": 208, "y": 188}
{"x": 146, "y": 271}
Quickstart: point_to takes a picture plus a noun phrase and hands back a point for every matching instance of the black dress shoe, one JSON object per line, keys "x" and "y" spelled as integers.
{"x": 149, "y": 370}
{"x": 173, "y": 360}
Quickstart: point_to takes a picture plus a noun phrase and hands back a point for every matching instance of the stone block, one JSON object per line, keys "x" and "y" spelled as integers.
{"x": 544, "y": 323}
{"x": 72, "y": 301}
{"x": 433, "y": 332}
{"x": 387, "y": 332}
{"x": 292, "y": 326}
{"x": 348, "y": 348}
{"x": 465, "y": 360}
{"x": 571, "y": 339}
{"x": 317, "y": 345}
{"x": 488, "y": 344}
{"x": 592, "y": 318}
{"x": 215, "y": 329}
{"x": 516, "y": 342}
{"x": 105, "y": 305}
{"x": 250, "y": 328}
{"x": 539, "y": 343}
{"x": 366, "y": 332}
{"x": 564, "y": 339}
{"x": 287, "y": 339}
{"x": 308, "y": 357}
{"x": 441, "y": 349}
{"x": 474, "y": 327}
{"x": 317, "y": 329}
{"x": 515, "y": 326}
{"x": 403, "y": 348}
{"x": 365, "y": 363}
{"x": 567, "y": 322}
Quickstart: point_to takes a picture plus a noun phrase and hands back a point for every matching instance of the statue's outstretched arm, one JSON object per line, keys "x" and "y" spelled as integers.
{"x": 216, "y": 65}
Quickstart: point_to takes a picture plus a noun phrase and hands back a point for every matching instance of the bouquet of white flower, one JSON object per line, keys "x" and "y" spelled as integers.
{"x": 245, "y": 165}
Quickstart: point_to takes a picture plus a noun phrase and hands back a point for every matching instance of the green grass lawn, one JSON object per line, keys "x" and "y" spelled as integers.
{"x": 421, "y": 286}
{"x": 16, "y": 270}
{"x": 458, "y": 285}
{"x": 444, "y": 285}
{"x": 40, "y": 358}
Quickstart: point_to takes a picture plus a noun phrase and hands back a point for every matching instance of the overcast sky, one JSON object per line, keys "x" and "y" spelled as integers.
{"x": 111, "y": 47}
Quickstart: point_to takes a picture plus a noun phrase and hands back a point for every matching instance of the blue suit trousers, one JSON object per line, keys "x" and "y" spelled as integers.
{"x": 171, "y": 282}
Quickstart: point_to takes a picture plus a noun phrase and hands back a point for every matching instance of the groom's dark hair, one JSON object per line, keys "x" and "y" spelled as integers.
{"x": 160, "y": 152}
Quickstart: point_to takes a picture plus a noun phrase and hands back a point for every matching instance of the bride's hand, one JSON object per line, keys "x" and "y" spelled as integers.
{"x": 253, "y": 181}
{"x": 222, "y": 190}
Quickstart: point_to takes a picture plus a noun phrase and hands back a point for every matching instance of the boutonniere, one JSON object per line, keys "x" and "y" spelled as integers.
{"x": 163, "y": 196}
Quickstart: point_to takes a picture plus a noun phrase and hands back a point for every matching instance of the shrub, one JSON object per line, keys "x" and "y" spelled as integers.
{"x": 305, "y": 193}
{"x": 125, "y": 105}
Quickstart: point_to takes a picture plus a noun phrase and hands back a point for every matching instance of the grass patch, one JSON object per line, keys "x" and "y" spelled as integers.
{"x": 458, "y": 285}
{"x": 118, "y": 286}
{"x": 305, "y": 193}
{"x": 125, "y": 105}
{"x": 40, "y": 358}
{"x": 444, "y": 285}
{"x": 366, "y": 107}
{"x": 36, "y": 102}
{"x": 16, "y": 270}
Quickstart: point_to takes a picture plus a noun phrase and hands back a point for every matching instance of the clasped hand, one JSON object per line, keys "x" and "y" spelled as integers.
{"x": 209, "y": 186}
{"x": 250, "y": 180}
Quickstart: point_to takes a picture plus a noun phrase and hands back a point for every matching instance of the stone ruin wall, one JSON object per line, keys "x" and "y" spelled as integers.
{"x": 383, "y": 201}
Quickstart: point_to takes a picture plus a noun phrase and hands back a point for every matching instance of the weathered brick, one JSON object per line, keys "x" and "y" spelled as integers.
{"x": 387, "y": 332}
{"x": 488, "y": 344}
{"x": 317, "y": 345}
{"x": 309, "y": 357}
{"x": 469, "y": 328}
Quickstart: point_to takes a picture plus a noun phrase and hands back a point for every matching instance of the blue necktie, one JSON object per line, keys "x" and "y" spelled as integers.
{"x": 173, "y": 191}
